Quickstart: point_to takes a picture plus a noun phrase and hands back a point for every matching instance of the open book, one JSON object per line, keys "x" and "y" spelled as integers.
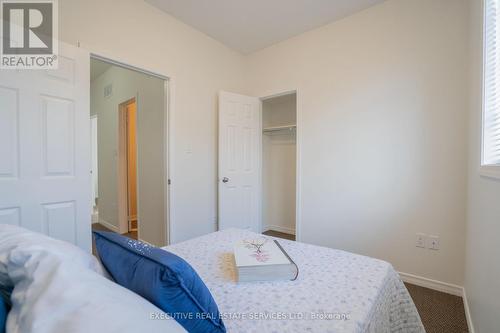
{"x": 263, "y": 259}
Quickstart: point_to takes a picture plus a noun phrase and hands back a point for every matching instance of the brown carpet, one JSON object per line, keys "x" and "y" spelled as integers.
{"x": 440, "y": 312}
{"x": 278, "y": 234}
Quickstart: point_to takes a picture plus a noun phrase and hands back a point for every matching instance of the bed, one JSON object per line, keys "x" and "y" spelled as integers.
{"x": 335, "y": 291}
{"x": 58, "y": 288}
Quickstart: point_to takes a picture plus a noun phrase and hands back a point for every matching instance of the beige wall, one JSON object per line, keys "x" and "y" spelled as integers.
{"x": 382, "y": 127}
{"x": 482, "y": 269}
{"x": 137, "y": 33}
{"x": 382, "y": 98}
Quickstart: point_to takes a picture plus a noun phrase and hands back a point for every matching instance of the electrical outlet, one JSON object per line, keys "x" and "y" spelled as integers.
{"x": 421, "y": 240}
{"x": 433, "y": 243}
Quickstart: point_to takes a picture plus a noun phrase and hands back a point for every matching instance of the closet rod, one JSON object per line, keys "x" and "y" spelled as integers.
{"x": 279, "y": 128}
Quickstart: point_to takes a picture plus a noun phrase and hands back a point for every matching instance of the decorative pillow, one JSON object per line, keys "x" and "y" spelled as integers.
{"x": 54, "y": 295}
{"x": 161, "y": 277}
{"x": 14, "y": 237}
{"x": 3, "y": 315}
{"x": 5, "y": 293}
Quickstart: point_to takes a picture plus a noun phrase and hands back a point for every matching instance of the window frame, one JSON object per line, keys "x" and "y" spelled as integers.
{"x": 486, "y": 170}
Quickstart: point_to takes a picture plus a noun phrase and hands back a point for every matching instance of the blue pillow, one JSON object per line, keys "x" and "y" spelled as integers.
{"x": 5, "y": 293}
{"x": 161, "y": 277}
{"x": 3, "y": 315}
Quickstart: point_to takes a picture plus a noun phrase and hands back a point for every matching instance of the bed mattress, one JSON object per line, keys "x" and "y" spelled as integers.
{"x": 336, "y": 291}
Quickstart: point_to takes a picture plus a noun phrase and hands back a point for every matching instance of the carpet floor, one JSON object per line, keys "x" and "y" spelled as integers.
{"x": 440, "y": 312}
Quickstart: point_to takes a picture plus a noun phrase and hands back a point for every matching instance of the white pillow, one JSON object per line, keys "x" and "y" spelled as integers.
{"x": 14, "y": 237}
{"x": 55, "y": 295}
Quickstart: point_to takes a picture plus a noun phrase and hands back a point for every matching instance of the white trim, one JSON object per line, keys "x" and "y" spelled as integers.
{"x": 127, "y": 66}
{"x": 261, "y": 166}
{"x": 467, "y": 312}
{"x": 485, "y": 170}
{"x": 278, "y": 228}
{"x": 490, "y": 171}
{"x": 170, "y": 147}
{"x": 298, "y": 167}
{"x": 166, "y": 162}
{"x": 109, "y": 225}
{"x": 483, "y": 90}
{"x": 444, "y": 287}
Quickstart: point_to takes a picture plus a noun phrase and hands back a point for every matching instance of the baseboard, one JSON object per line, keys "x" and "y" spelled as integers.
{"x": 278, "y": 228}
{"x": 467, "y": 312}
{"x": 444, "y": 287}
{"x": 109, "y": 225}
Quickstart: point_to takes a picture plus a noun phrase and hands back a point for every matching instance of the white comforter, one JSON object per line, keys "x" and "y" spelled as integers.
{"x": 336, "y": 291}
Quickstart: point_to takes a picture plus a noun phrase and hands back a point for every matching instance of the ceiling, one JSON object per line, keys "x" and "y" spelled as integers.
{"x": 97, "y": 67}
{"x": 251, "y": 25}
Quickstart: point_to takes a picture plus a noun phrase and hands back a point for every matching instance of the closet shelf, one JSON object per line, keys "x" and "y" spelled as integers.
{"x": 279, "y": 128}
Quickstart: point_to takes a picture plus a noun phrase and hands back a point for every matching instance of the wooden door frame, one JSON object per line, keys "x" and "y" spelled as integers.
{"x": 122, "y": 160}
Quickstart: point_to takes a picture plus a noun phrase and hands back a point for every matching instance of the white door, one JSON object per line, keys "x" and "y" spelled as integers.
{"x": 45, "y": 182}
{"x": 240, "y": 136}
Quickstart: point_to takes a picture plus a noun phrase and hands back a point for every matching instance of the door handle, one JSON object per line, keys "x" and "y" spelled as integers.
{"x": 225, "y": 180}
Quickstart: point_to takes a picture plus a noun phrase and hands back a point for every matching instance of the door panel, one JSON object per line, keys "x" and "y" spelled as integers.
{"x": 58, "y": 128}
{"x": 239, "y": 161}
{"x": 45, "y": 147}
{"x": 8, "y": 132}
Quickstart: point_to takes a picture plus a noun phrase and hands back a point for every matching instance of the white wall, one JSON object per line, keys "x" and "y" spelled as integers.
{"x": 279, "y": 165}
{"x": 482, "y": 269}
{"x": 139, "y": 34}
{"x": 149, "y": 94}
{"x": 382, "y": 117}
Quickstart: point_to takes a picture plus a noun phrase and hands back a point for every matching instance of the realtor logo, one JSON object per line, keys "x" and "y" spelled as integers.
{"x": 29, "y": 34}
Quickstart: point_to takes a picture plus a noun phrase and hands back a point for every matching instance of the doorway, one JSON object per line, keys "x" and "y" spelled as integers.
{"x": 127, "y": 158}
{"x": 132, "y": 150}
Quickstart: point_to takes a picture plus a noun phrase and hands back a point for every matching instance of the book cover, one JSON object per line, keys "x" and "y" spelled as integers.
{"x": 259, "y": 252}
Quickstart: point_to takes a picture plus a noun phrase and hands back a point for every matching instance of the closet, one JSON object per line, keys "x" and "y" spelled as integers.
{"x": 279, "y": 151}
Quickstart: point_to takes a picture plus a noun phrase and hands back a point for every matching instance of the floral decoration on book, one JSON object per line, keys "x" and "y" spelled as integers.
{"x": 257, "y": 249}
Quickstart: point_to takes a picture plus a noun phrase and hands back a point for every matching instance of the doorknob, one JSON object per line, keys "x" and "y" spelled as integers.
{"x": 225, "y": 180}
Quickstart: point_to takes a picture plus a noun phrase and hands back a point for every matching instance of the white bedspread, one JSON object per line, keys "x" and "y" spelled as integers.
{"x": 336, "y": 291}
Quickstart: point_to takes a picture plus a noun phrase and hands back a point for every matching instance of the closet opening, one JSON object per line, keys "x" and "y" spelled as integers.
{"x": 279, "y": 165}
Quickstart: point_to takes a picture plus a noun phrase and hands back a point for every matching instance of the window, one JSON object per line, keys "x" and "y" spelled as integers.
{"x": 491, "y": 105}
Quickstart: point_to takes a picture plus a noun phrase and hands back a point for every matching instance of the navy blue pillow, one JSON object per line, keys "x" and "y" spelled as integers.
{"x": 3, "y": 315}
{"x": 161, "y": 277}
